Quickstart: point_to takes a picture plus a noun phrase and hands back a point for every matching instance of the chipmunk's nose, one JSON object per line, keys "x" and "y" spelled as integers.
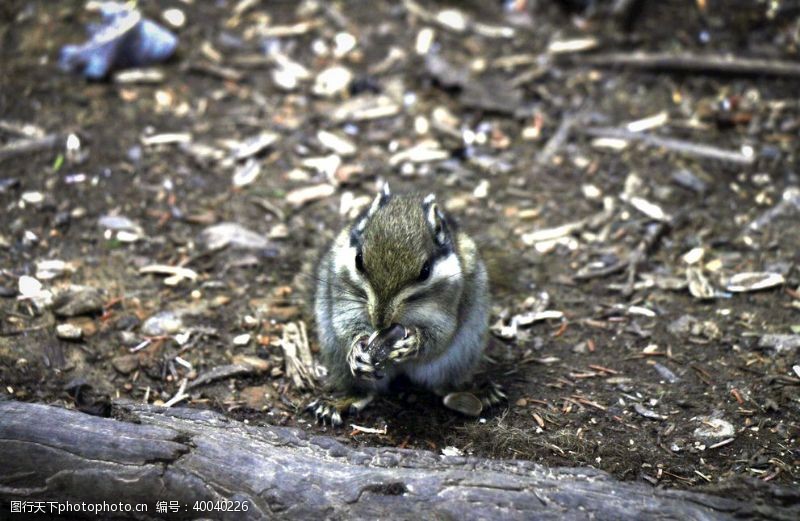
{"x": 380, "y": 316}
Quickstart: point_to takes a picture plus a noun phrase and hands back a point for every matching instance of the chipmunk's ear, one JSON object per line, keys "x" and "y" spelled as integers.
{"x": 380, "y": 200}
{"x": 436, "y": 220}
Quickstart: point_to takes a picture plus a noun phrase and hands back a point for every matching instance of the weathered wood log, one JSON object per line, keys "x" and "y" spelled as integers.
{"x": 150, "y": 454}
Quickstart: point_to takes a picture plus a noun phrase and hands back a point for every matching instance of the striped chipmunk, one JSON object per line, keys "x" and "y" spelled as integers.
{"x": 402, "y": 292}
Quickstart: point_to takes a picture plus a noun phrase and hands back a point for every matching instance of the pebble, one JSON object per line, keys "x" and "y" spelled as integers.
{"x": 641, "y": 410}
{"x": 241, "y": 340}
{"x": 79, "y": 300}
{"x": 301, "y": 196}
{"x": 254, "y": 145}
{"x": 174, "y": 17}
{"x": 714, "y": 428}
{"x": 780, "y": 342}
{"x": 246, "y": 173}
{"x": 125, "y": 364}
{"x": 754, "y": 281}
{"x": 332, "y": 81}
{"x": 50, "y": 269}
{"x": 68, "y": 332}
{"x": 463, "y": 402}
{"x": 163, "y": 323}
{"x": 231, "y": 234}
{"x": 336, "y": 143}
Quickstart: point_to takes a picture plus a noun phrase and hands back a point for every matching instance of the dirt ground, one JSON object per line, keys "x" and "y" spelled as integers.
{"x": 658, "y": 362}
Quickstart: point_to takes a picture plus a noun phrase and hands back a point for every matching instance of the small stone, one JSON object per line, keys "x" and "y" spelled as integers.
{"x": 68, "y": 332}
{"x": 235, "y": 235}
{"x": 336, "y": 143}
{"x": 125, "y": 364}
{"x": 641, "y": 410}
{"x": 33, "y": 198}
{"x": 465, "y": 403}
{"x": 163, "y": 323}
{"x": 666, "y": 373}
{"x": 174, "y": 17}
{"x": 241, "y": 340}
{"x": 754, "y": 281}
{"x": 452, "y": 19}
{"x": 779, "y": 342}
{"x": 302, "y": 196}
{"x": 332, "y": 81}
{"x": 79, "y": 300}
{"x": 714, "y": 428}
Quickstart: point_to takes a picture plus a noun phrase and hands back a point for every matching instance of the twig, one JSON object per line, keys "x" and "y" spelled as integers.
{"x": 27, "y": 146}
{"x": 680, "y": 146}
{"x": 702, "y": 64}
{"x": 179, "y": 396}
{"x": 558, "y": 139}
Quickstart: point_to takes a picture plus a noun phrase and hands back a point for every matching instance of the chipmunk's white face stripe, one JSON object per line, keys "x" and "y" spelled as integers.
{"x": 446, "y": 268}
{"x": 344, "y": 257}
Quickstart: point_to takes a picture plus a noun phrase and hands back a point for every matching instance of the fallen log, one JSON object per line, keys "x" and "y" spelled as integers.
{"x": 208, "y": 466}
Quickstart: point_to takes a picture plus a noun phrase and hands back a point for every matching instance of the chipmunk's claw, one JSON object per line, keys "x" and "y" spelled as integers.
{"x": 492, "y": 394}
{"x": 325, "y": 412}
{"x": 361, "y": 363}
{"x": 331, "y": 412}
{"x": 406, "y": 348}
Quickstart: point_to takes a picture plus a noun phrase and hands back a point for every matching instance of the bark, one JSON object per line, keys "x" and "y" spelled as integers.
{"x": 151, "y": 454}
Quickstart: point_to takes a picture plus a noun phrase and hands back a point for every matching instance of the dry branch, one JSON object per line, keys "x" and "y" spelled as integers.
{"x": 695, "y": 63}
{"x": 151, "y": 454}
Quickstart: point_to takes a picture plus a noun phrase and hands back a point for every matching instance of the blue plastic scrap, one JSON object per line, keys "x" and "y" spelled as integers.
{"x": 124, "y": 39}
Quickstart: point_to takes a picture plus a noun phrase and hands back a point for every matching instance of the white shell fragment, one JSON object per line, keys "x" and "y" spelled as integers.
{"x": 246, "y": 173}
{"x": 699, "y": 286}
{"x": 343, "y": 43}
{"x": 694, "y": 256}
{"x": 176, "y": 273}
{"x": 452, "y": 451}
{"x": 648, "y": 123}
{"x": 50, "y": 269}
{"x": 221, "y": 235}
{"x": 288, "y": 74}
{"x": 365, "y": 108}
{"x": 714, "y": 428}
{"x": 255, "y": 144}
{"x": 463, "y": 402}
{"x": 241, "y": 340}
{"x": 304, "y": 195}
{"x": 332, "y": 81}
{"x": 425, "y": 38}
{"x": 174, "y": 17}
{"x": 452, "y": 19}
{"x": 754, "y": 281}
{"x": 574, "y": 45}
{"x": 423, "y": 152}
{"x": 68, "y": 332}
{"x": 336, "y": 143}
{"x": 651, "y": 210}
{"x": 325, "y": 165}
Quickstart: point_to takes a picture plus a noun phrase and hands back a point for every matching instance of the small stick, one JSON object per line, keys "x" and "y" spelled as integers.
{"x": 680, "y": 146}
{"x": 702, "y": 64}
{"x": 28, "y": 146}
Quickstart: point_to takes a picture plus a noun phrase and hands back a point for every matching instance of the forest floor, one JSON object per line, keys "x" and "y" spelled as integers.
{"x": 653, "y": 211}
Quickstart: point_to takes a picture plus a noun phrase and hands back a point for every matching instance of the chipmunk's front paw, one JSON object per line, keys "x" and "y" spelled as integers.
{"x": 361, "y": 361}
{"x": 405, "y": 348}
{"x": 325, "y": 411}
{"x": 331, "y": 411}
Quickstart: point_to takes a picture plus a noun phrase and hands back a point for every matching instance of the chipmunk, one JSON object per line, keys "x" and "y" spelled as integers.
{"x": 401, "y": 291}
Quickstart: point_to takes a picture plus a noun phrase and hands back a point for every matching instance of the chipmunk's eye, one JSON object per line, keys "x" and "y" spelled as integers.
{"x": 425, "y": 272}
{"x": 360, "y": 262}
